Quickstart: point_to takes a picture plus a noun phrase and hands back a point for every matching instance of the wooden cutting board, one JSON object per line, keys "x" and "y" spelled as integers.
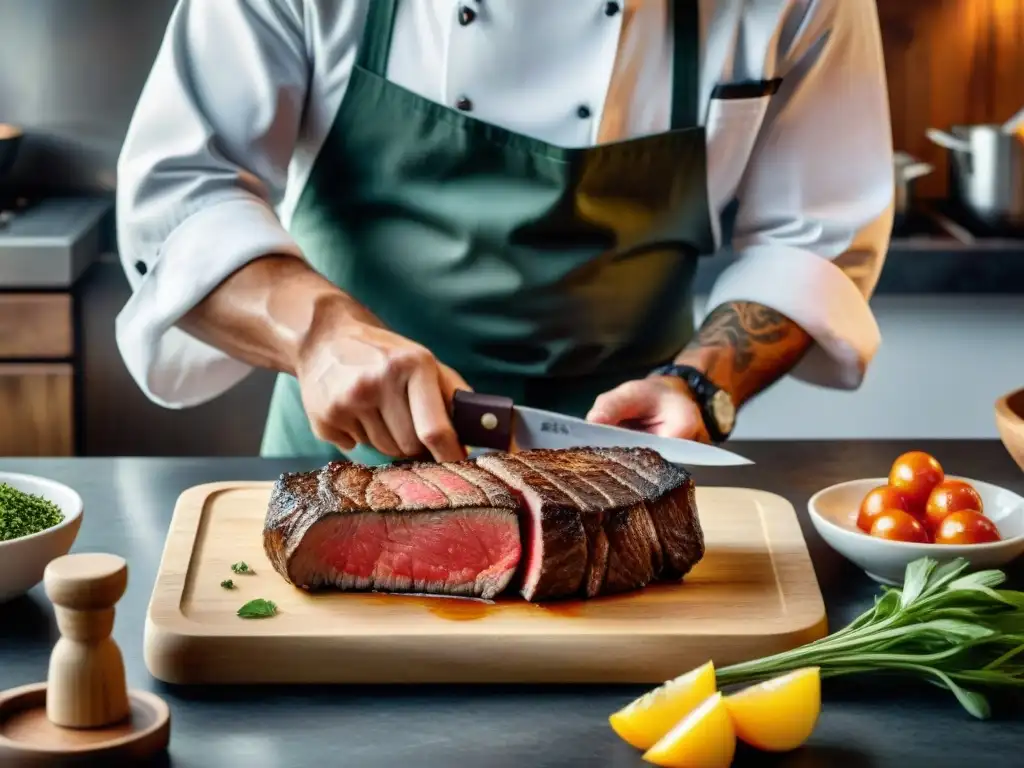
{"x": 754, "y": 593}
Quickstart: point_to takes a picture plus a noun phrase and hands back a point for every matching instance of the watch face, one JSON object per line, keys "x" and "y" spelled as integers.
{"x": 724, "y": 411}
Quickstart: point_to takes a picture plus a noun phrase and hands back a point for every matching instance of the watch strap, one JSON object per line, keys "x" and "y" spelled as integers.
{"x": 703, "y": 390}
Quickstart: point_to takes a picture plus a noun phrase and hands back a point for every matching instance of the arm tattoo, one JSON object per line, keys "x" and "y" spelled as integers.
{"x": 745, "y": 347}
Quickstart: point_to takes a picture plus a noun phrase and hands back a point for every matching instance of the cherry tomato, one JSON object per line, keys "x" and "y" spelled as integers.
{"x": 897, "y": 525}
{"x": 947, "y": 497}
{"x": 914, "y": 474}
{"x": 968, "y": 526}
{"x": 876, "y": 502}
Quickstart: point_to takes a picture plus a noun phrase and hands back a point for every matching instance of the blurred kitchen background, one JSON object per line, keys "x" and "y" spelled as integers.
{"x": 950, "y": 302}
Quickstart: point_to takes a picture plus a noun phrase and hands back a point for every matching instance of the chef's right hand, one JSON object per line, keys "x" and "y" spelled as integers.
{"x": 362, "y": 383}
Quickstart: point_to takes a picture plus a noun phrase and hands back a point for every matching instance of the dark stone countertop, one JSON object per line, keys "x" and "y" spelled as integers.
{"x": 925, "y": 266}
{"x": 872, "y": 723}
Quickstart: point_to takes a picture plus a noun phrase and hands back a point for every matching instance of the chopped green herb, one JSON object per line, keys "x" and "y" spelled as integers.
{"x": 258, "y": 609}
{"x": 241, "y": 567}
{"x": 22, "y": 514}
{"x": 953, "y": 629}
{"x": 228, "y": 584}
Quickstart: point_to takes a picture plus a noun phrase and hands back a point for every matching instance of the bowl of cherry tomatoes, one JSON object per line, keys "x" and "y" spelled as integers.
{"x": 884, "y": 523}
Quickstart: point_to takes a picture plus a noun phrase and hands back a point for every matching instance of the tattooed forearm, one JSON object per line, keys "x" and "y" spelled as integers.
{"x": 746, "y": 347}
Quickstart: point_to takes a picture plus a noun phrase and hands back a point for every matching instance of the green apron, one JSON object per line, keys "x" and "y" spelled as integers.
{"x": 542, "y": 273}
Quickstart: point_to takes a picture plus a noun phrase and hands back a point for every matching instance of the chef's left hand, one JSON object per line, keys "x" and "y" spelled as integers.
{"x": 661, "y": 405}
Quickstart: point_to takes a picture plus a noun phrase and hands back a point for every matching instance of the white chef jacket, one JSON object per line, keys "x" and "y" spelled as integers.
{"x": 243, "y": 93}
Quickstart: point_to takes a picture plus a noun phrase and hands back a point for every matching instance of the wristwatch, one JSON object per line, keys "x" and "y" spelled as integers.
{"x": 716, "y": 405}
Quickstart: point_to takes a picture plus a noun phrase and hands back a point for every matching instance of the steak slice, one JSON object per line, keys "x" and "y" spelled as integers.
{"x": 294, "y": 506}
{"x": 407, "y": 528}
{"x": 555, "y": 541}
{"x": 592, "y": 506}
{"x": 671, "y": 501}
{"x": 626, "y": 538}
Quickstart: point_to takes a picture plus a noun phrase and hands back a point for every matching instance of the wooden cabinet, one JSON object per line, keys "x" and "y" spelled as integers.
{"x": 37, "y": 409}
{"x": 36, "y": 325}
{"x": 37, "y": 374}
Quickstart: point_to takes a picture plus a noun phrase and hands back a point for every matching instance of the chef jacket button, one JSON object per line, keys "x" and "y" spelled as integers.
{"x": 464, "y": 104}
{"x": 140, "y": 267}
{"x": 466, "y": 15}
{"x": 610, "y": 9}
{"x": 583, "y": 111}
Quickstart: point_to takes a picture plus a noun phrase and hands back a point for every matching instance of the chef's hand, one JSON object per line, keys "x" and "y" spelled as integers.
{"x": 661, "y": 405}
{"x": 362, "y": 383}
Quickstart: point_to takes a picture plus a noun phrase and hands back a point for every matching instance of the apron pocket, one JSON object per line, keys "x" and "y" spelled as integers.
{"x": 732, "y": 128}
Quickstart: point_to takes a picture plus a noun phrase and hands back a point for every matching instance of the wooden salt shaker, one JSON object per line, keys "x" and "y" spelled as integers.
{"x": 86, "y": 685}
{"x": 84, "y": 712}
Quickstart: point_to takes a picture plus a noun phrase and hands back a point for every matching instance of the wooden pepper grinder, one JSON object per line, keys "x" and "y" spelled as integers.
{"x": 86, "y": 685}
{"x": 84, "y": 711}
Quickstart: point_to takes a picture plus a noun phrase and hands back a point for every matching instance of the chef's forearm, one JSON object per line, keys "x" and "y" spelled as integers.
{"x": 265, "y": 313}
{"x": 745, "y": 347}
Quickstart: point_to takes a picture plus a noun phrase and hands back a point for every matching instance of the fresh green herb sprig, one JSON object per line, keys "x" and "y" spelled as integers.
{"x": 258, "y": 609}
{"x": 955, "y": 631}
{"x": 242, "y": 568}
{"x": 228, "y": 584}
{"x": 22, "y": 514}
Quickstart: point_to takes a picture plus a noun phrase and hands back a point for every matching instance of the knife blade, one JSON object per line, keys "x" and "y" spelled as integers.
{"x": 491, "y": 421}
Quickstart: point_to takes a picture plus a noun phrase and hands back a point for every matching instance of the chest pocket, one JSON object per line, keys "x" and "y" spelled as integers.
{"x": 735, "y": 116}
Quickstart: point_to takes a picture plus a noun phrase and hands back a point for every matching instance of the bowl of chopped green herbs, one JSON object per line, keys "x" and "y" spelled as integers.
{"x": 39, "y": 520}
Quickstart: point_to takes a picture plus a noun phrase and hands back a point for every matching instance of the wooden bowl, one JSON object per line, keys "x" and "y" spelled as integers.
{"x": 1010, "y": 422}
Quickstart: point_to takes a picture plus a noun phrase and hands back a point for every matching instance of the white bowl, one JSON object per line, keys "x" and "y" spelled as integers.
{"x": 22, "y": 561}
{"x": 834, "y": 512}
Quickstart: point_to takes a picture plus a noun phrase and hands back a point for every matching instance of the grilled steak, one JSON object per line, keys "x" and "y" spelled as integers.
{"x": 416, "y": 528}
{"x": 619, "y": 497}
{"x": 587, "y": 522}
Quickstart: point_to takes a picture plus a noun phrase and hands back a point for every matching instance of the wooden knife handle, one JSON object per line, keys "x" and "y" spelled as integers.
{"x": 482, "y": 421}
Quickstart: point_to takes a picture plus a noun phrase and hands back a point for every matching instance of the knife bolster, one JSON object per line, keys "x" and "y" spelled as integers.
{"x": 482, "y": 421}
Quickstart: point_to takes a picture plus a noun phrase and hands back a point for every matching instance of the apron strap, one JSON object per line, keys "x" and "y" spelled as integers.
{"x": 686, "y": 63}
{"x": 375, "y": 45}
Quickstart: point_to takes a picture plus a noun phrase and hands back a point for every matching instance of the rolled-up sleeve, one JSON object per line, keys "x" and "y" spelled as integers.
{"x": 816, "y": 202}
{"x": 203, "y": 166}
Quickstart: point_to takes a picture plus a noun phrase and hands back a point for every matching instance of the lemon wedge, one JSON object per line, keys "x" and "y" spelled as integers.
{"x": 780, "y": 714}
{"x": 648, "y": 718}
{"x": 705, "y": 738}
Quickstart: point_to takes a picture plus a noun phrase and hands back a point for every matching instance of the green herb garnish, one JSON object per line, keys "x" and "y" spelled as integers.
{"x": 258, "y": 609}
{"x": 953, "y": 630}
{"x": 22, "y": 514}
{"x": 241, "y": 567}
{"x": 228, "y": 584}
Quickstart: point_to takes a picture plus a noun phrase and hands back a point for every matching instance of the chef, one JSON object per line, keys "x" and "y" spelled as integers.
{"x": 386, "y": 201}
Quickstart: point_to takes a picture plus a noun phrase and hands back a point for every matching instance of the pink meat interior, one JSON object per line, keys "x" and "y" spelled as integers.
{"x": 472, "y": 551}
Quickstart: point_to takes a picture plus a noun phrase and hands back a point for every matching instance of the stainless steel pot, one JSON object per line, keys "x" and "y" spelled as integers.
{"x": 906, "y": 169}
{"x": 987, "y": 171}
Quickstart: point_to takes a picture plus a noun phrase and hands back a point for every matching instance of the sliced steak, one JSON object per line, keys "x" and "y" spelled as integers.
{"x": 591, "y": 521}
{"x": 671, "y": 500}
{"x": 632, "y": 554}
{"x": 553, "y": 535}
{"x": 409, "y": 528}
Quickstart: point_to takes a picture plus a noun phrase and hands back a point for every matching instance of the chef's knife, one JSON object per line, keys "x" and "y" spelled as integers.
{"x": 491, "y": 421}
